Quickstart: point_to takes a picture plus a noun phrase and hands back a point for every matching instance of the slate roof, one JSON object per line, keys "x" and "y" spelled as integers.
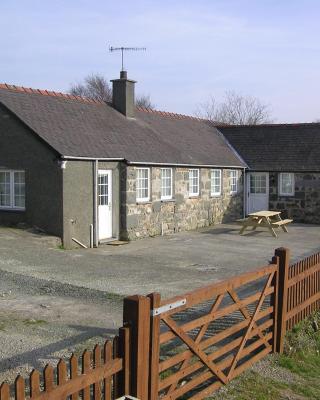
{"x": 79, "y": 127}
{"x": 277, "y": 147}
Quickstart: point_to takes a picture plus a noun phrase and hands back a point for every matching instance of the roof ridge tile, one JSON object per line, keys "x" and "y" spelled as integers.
{"x": 52, "y": 93}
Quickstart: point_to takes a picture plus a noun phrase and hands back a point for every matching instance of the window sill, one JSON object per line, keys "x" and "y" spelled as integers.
{"x": 215, "y": 196}
{"x": 194, "y": 196}
{"x": 168, "y": 200}
{"x": 139, "y": 202}
{"x": 286, "y": 195}
{"x": 10, "y": 209}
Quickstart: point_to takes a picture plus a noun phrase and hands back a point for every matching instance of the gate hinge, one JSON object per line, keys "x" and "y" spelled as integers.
{"x": 168, "y": 307}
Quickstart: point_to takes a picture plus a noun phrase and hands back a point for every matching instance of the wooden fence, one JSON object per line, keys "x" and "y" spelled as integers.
{"x": 102, "y": 374}
{"x": 190, "y": 345}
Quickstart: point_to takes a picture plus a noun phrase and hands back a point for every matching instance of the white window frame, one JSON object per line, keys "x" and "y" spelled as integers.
{"x": 12, "y": 205}
{"x": 216, "y": 193}
{"x": 281, "y": 192}
{"x": 166, "y": 197}
{"x": 192, "y": 193}
{"x": 235, "y": 182}
{"x": 147, "y": 198}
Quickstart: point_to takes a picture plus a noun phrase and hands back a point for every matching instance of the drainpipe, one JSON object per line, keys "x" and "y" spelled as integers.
{"x": 95, "y": 204}
{"x": 245, "y": 198}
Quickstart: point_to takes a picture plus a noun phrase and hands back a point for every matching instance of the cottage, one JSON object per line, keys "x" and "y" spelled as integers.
{"x": 90, "y": 171}
{"x": 284, "y": 167}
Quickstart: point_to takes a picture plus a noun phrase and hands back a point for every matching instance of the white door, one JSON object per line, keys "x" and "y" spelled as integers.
{"x": 258, "y": 191}
{"x": 105, "y": 203}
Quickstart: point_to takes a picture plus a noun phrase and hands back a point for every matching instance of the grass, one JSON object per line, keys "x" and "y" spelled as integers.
{"x": 34, "y": 322}
{"x": 293, "y": 375}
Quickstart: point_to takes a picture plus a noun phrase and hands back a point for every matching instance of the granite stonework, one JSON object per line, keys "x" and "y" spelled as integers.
{"x": 304, "y": 206}
{"x": 182, "y": 213}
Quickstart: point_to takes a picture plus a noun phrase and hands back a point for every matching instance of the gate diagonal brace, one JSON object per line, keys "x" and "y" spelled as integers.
{"x": 195, "y": 348}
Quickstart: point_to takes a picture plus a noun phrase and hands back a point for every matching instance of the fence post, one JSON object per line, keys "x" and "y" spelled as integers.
{"x": 283, "y": 255}
{"x": 136, "y": 314}
{"x": 154, "y": 348}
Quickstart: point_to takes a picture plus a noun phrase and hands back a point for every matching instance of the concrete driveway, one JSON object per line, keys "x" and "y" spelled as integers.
{"x": 169, "y": 264}
{"x": 54, "y": 302}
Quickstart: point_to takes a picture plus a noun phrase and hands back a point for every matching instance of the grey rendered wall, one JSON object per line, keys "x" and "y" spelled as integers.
{"x": 304, "y": 206}
{"x": 21, "y": 149}
{"x": 182, "y": 212}
{"x": 78, "y": 200}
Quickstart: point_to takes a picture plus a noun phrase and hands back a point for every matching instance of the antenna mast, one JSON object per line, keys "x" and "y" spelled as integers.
{"x": 122, "y": 49}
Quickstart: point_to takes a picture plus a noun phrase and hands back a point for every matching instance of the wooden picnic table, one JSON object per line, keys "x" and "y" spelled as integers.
{"x": 266, "y": 219}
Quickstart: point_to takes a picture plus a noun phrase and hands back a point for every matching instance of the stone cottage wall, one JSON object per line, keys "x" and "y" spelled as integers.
{"x": 161, "y": 217}
{"x": 304, "y": 206}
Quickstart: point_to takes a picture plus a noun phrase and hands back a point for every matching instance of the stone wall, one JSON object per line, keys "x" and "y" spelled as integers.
{"x": 159, "y": 217}
{"x": 304, "y": 206}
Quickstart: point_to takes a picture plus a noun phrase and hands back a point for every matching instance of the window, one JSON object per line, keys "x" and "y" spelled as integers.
{"x": 193, "y": 182}
{"x": 286, "y": 184}
{"x": 258, "y": 183}
{"x": 233, "y": 181}
{"x": 12, "y": 189}
{"x": 215, "y": 182}
{"x": 103, "y": 184}
{"x": 166, "y": 183}
{"x": 143, "y": 184}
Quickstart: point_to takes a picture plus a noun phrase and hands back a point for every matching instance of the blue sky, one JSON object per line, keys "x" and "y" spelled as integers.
{"x": 195, "y": 49}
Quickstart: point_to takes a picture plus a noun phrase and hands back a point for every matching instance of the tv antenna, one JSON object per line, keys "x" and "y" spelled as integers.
{"x": 122, "y": 49}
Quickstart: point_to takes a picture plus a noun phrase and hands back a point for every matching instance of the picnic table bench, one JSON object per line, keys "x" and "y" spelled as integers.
{"x": 266, "y": 219}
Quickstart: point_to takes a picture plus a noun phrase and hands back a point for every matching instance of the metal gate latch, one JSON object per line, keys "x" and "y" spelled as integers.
{"x": 168, "y": 307}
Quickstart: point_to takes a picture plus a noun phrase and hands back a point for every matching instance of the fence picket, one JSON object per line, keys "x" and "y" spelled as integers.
{"x": 86, "y": 366}
{"x": 4, "y": 391}
{"x": 34, "y": 383}
{"x": 108, "y": 380}
{"x": 97, "y": 364}
{"x": 74, "y": 374}
{"x": 20, "y": 388}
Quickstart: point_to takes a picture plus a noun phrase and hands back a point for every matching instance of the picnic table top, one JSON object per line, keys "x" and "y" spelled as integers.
{"x": 265, "y": 214}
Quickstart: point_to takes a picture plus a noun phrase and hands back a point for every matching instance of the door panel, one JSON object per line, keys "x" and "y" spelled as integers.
{"x": 258, "y": 191}
{"x": 105, "y": 203}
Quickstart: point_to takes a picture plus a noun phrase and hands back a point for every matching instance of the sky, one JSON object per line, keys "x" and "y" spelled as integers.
{"x": 195, "y": 49}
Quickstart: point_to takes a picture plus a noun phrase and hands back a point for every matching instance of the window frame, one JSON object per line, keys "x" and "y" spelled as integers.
{"x": 147, "y": 198}
{"x": 194, "y": 194}
{"x": 12, "y": 205}
{"x": 236, "y": 177}
{"x": 167, "y": 197}
{"x": 215, "y": 194}
{"x": 281, "y": 193}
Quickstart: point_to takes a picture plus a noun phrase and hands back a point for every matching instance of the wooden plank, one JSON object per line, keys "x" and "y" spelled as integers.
{"x": 48, "y": 378}
{"x": 62, "y": 374}
{"x": 79, "y": 382}
{"x": 195, "y": 348}
{"x": 115, "y": 354}
{"x": 107, "y": 350}
{"x": 4, "y": 391}
{"x": 86, "y": 367}
{"x": 123, "y": 380}
{"x": 136, "y": 314}
{"x": 34, "y": 383}
{"x": 97, "y": 364}
{"x": 202, "y": 294}
{"x": 303, "y": 274}
{"x": 207, "y": 375}
{"x": 293, "y": 313}
{"x": 283, "y": 270}
{"x": 245, "y": 338}
{"x": 19, "y": 388}
{"x": 73, "y": 375}
{"x": 212, "y": 340}
{"x": 155, "y": 301}
{"x": 166, "y": 336}
{"x": 275, "y": 303}
{"x": 176, "y": 377}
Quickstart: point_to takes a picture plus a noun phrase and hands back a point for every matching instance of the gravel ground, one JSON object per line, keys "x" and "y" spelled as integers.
{"x": 41, "y": 321}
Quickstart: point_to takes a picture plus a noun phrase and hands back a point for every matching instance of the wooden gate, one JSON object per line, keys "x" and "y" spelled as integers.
{"x": 203, "y": 339}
